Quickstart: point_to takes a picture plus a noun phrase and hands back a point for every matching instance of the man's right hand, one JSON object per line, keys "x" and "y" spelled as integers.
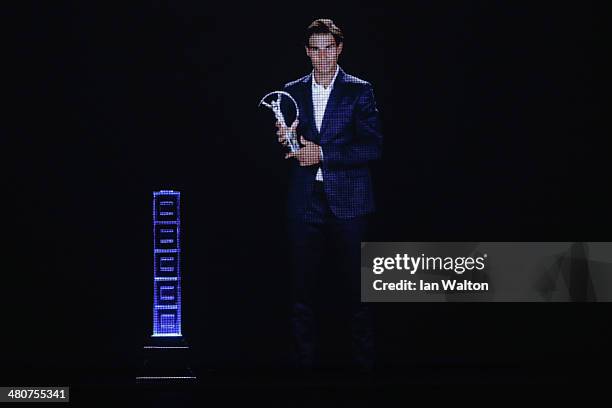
{"x": 282, "y": 131}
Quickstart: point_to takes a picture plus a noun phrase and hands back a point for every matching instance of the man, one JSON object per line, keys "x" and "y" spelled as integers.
{"x": 330, "y": 193}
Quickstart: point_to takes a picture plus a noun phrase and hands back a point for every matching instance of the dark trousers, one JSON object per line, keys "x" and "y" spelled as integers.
{"x": 318, "y": 234}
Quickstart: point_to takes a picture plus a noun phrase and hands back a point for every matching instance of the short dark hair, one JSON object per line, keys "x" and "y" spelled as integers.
{"x": 324, "y": 26}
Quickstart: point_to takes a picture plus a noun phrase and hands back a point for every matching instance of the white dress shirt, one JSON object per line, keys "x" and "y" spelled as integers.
{"x": 320, "y": 96}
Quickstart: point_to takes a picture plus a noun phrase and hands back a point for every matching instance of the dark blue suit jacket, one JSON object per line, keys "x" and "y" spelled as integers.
{"x": 350, "y": 137}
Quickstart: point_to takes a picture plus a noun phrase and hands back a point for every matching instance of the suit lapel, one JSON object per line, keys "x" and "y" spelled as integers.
{"x": 332, "y": 102}
{"x": 309, "y": 109}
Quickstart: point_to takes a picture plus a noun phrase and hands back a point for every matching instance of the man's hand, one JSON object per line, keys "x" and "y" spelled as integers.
{"x": 282, "y": 131}
{"x": 308, "y": 155}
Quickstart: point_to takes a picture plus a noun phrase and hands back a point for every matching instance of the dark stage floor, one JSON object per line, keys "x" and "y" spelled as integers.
{"x": 332, "y": 387}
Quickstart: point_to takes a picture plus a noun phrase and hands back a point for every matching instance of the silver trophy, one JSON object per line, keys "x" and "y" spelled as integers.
{"x": 275, "y": 105}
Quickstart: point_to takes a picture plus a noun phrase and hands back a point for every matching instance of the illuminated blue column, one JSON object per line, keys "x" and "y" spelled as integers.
{"x": 167, "y": 263}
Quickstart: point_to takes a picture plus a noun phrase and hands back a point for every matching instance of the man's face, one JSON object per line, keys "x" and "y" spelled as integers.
{"x": 323, "y": 52}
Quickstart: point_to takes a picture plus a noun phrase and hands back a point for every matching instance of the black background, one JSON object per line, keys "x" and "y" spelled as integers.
{"x": 491, "y": 111}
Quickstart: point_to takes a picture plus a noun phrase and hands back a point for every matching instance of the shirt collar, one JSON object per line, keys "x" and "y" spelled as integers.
{"x": 331, "y": 84}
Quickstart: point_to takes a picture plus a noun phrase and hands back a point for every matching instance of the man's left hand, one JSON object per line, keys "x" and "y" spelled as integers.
{"x": 308, "y": 155}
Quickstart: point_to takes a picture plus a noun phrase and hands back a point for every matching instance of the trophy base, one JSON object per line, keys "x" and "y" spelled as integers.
{"x": 293, "y": 144}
